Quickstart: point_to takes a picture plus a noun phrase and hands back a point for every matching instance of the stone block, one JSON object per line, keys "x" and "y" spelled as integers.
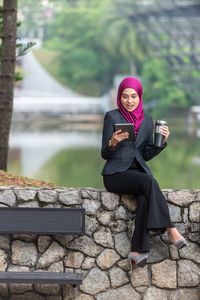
{"x": 104, "y": 238}
{"x": 20, "y": 288}
{"x": 91, "y": 225}
{"x": 24, "y": 253}
{"x": 164, "y": 274}
{"x": 90, "y": 194}
{"x": 57, "y": 267}
{"x": 69, "y": 292}
{"x": 118, "y": 277}
{"x": 47, "y": 196}
{"x": 25, "y": 237}
{"x": 47, "y": 289}
{"x": 86, "y": 245}
{"x": 188, "y": 273}
{"x": 43, "y": 242}
{"x": 126, "y": 292}
{"x": 4, "y": 242}
{"x": 185, "y": 294}
{"x": 88, "y": 263}
{"x": 95, "y": 282}
{"x": 110, "y": 200}
{"x": 191, "y": 252}
{"x": 117, "y": 226}
{"x": 7, "y": 197}
{"x": 74, "y": 260}
{"x": 84, "y": 297}
{"x": 181, "y": 198}
{"x": 25, "y": 195}
{"x": 107, "y": 259}
{"x": 3, "y": 290}
{"x": 175, "y": 213}
{"x": 122, "y": 244}
{"x": 124, "y": 264}
{"x": 159, "y": 250}
{"x": 104, "y": 217}
{"x": 54, "y": 253}
{"x": 129, "y": 202}
{"x": 91, "y": 206}
{"x": 174, "y": 252}
{"x": 70, "y": 197}
{"x": 194, "y": 213}
{"x": 153, "y": 293}
{"x": 121, "y": 213}
{"x": 27, "y": 296}
{"x": 29, "y": 204}
{"x": 139, "y": 277}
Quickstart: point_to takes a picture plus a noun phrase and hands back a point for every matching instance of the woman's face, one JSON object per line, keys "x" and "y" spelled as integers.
{"x": 130, "y": 99}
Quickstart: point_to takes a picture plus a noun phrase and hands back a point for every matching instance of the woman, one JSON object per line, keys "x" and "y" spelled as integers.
{"x": 126, "y": 172}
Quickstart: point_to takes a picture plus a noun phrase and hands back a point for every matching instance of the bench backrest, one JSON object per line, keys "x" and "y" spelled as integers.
{"x": 42, "y": 220}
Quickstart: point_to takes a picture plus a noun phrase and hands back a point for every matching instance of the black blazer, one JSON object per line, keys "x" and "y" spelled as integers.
{"x": 120, "y": 158}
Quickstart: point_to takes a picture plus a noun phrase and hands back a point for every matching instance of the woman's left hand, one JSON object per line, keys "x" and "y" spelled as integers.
{"x": 164, "y": 130}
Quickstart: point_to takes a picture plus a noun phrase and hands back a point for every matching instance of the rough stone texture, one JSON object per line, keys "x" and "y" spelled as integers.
{"x": 49, "y": 289}
{"x": 84, "y": 297}
{"x": 124, "y": 265}
{"x": 91, "y": 225}
{"x": 121, "y": 213}
{"x": 153, "y": 293}
{"x": 175, "y": 213}
{"x": 29, "y": 204}
{"x": 88, "y": 263}
{"x": 191, "y": 252}
{"x": 188, "y": 273}
{"x": 25, "y": 237}
{"x": 194, "y": 212}
{"x": 110, "y": 200}
{"x": 159, "y": 250}
{"x": 166, "y": 268}
{"x": 54, "y": 253}
{"x": 70, "y": 197}
{"x": 20, "y": 288}
{"x": 95, "y": 282}
{"x": 139, "y": 277}
{"x": 126, "y": 292}
{"x": 122, "y": 244}
{"x": 13, "y": 268}
{"x": 56, "y": 267}
{"x": 74, "y": 260}
{"x": 27, "y": 296}
{"x": 174, "y": 252}
{"x": 3, "y": 260}
{"x": 3, "y": 290}
{"x": 69, "y": 292}
{"x": 85, "y": 245}
{"x": 104, "y": 217}
{"x": 91, "y": 206}
{"x": 43, "y": 242}
{"x": 129, "y": 202}
{"x": 107, "y": 259}
{"x": 25, "y": 195}
{"x": 89, "y": 194}
{"x": 47, "y": 196}
{"x": 7, "y": 197}
{"x": 4, "y": 242}
{"x": 117, "y": 277}
{"x": 117, "y": 226}
{"x": 53, "y": 298}
{"x": 64, "y": 240}
{"x": 182, "y": 198}
{"x": 104, "y": 238}
{"x": 24, "y": 253}
{"x": 185, "y": 294}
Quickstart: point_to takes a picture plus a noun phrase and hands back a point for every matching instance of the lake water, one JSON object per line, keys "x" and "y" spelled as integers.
{"x": 72, "y": 158}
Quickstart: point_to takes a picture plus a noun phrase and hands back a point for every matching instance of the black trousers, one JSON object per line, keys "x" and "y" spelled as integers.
{"x": 152, "y": 211}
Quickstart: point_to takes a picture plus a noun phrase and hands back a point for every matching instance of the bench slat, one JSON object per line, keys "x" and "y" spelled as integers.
{"x": 41, "y": 277}
{"x": 31, "y": 220}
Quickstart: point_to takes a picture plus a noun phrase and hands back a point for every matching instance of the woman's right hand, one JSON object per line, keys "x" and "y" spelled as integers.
{"x": 118, "y": 137}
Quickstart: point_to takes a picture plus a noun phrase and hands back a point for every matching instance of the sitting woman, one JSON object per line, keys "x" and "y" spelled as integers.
{"x": 126, "y": 172}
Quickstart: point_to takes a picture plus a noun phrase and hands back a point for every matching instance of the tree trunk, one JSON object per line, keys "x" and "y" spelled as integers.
{"x": 7, "y": 75}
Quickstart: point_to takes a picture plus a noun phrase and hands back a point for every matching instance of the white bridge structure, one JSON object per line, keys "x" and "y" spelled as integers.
{"x": 40, "y": 94}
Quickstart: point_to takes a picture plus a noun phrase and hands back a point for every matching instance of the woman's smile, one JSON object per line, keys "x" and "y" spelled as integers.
{"x": 130, "y": 99}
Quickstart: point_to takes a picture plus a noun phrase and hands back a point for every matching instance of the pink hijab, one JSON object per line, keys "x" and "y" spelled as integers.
{"x": 136, "y": 116}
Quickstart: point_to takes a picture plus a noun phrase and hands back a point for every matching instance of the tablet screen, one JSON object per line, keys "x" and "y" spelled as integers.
{"x": 127, "y": 127}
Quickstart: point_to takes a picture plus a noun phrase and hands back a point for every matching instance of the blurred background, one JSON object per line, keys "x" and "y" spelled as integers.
{"x": 83, "y": 49}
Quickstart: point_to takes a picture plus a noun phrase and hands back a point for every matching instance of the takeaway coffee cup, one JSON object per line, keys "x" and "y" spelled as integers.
{"x": 158, "y": 137}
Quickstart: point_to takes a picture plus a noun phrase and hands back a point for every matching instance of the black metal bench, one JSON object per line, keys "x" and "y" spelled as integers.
{"x": 17, "y": 220}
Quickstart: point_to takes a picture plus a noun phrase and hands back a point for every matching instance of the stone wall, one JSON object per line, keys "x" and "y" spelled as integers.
{"x": 101, "y": 254}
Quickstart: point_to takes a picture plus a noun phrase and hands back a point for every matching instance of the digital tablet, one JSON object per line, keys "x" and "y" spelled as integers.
{"x": 127, "y": 127}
